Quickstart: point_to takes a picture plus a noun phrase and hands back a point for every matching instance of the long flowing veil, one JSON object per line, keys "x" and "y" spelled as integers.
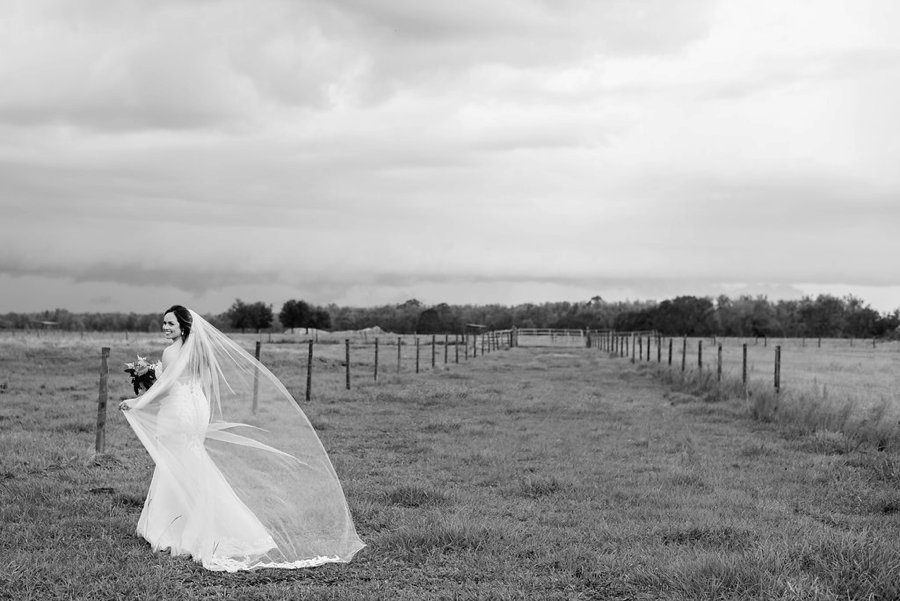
{"x": 264, "y": 446}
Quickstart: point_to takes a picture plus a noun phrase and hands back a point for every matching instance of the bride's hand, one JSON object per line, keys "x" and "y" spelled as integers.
{"x": 124, "y": 406}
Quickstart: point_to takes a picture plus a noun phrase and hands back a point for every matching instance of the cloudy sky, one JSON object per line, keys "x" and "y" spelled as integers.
{"x": 371, "y": 151}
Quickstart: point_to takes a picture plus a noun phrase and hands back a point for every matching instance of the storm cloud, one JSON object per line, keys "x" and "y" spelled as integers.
{"x": 359, "y": 153}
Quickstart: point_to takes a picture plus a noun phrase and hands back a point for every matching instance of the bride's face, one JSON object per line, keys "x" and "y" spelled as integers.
{"x": 170, "y": 327}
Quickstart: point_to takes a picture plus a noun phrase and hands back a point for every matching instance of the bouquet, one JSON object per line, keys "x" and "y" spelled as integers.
{"x": 143, "y": 373}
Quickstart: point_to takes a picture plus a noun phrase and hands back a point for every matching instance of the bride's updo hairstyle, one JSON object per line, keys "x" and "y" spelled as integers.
{"x": 184, "y": 319}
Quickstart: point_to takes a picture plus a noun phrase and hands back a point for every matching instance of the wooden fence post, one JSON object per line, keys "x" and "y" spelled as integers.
{"x": 466, "y": 345}
{"x": 347, "y": 357}
{"x": 640, "y": 341}
{"x": 446, "y": 347}
{"x": 648, "y": 347}
{"x": 376, "y": 360}
{"x": 670, "y": 351}
{"x": 309, "y": 364}
{"x": 456, "y": 346}
{"x": 256, "y": 377}
{"x": 683, "y": 354}
{"x": 719, "y": 364}
{"x": 417, "y": 354}
{"x": 700, "y": 355}
{"x": 744, "y": 369}
{"x": 777, "y": 371}
{"x": 399, "y": 344}
{"x": 433, "y": 348}
{"x": 102, "y": 399}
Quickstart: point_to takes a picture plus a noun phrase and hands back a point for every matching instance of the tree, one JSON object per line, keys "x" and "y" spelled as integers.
{"x": 644, "y": 319}
{"x": 727, "y": 317}
{"x": 257, "y": 315}
{"x": 239, "y": 315}
{"x": 888, "y": 324}
{"x": 686, "y": 315}
{"x": 825, "y": 316}
{"x": 862, "y": 320}
{"x": 319, "y": 319}
{"x": 261, "y": 315}
{"x": 429, "y": 322}
{"x": 759, "y": 317}
{"x": 295, "y": 314}
{"x": 436, "y": 320}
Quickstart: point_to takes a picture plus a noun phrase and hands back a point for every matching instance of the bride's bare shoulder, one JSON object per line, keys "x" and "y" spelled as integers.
{"x": 169, "y": 354}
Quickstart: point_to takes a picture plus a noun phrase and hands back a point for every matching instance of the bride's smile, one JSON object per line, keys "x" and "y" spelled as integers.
{"x": 170, "y": 327}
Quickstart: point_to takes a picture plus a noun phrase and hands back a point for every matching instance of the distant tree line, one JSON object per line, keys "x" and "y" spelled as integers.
{"x": 824, "y": 316}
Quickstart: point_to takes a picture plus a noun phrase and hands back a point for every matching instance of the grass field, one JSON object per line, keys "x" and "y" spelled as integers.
{"x": 854, "y": 376}
{"x": 535, "y": 473}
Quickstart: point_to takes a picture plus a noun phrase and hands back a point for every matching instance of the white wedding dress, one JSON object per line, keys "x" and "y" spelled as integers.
{"x": 253, "y": 491}
{"x": 190, "y": 508}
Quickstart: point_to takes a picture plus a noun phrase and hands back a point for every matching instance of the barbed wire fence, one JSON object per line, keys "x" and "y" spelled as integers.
{"x": 865, "y": 370}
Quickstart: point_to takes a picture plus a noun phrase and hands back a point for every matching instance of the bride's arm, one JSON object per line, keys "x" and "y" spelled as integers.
{"x": 168, "y": 356}
{"x": 144, "y": 399}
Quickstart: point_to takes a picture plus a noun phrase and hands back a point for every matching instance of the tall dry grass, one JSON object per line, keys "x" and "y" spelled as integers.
{"x": 833, "y": 386}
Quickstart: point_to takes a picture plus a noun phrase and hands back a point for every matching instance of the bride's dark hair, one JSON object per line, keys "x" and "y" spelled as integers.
{"x": 184, "y": 319}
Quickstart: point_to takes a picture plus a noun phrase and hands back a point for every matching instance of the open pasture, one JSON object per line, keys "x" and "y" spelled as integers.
{"x": 531, "y": 473}
{"x": 835, "y": 372}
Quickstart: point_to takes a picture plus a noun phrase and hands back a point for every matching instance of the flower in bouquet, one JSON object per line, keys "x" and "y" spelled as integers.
{"x": 143, "y": 373}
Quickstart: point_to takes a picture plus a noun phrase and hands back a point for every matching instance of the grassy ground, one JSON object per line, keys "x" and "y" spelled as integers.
{"x": 525, "y": 474}
{"x": 834, "y": 370}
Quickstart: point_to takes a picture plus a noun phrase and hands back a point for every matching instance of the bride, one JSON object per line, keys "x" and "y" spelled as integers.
{"x": 241, "y": 479}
